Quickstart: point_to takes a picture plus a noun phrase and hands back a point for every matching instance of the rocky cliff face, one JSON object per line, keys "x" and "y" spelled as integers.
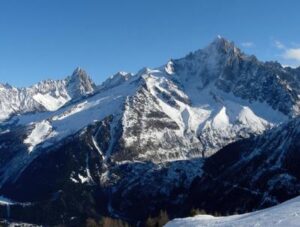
{"x": 140, "y": 143}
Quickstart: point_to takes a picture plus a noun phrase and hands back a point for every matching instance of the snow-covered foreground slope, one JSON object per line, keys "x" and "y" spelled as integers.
{"x": 286, "y": 214}
{"x": 18, "y": 224}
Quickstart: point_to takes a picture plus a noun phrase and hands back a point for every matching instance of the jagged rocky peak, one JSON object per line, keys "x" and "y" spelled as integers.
{"x": 79, "y": 73}
{"x": 207, "y": 63}
{"x": 223, "y": 44}
{"x": 116, "y": 79}
{"x": 217, "y": 50}
{"x": 80, "y": 83}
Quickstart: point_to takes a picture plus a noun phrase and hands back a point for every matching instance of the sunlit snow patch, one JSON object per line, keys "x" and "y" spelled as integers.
{"x": 49, "y": 102}
{"x": 41, "y": 131}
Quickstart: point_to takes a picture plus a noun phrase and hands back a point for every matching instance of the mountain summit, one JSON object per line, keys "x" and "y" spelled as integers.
{"x": 222, "y": 44}
{"x": 80, "y": 84}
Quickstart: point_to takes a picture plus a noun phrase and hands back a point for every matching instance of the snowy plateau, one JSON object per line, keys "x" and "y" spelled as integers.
{"x": 216, "y": 130}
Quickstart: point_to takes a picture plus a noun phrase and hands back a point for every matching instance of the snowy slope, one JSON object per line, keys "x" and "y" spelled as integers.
{"x": 283, "y": 215}
{"x": 48, "y": 128}
{"x": 191, "y": 130}
{"x": 199, "y": 120}
{"x": 70, "y": 119}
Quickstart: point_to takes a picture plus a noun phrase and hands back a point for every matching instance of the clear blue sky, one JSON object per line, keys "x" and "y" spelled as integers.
{"x": 42, "y": 39}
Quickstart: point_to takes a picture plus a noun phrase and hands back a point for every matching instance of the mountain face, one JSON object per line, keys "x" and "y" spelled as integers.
{"x": 243, "y": 76}
{"x": 139, "y": 143}
{"x": 47, "y": 95}
{"x": 269, "y": 166}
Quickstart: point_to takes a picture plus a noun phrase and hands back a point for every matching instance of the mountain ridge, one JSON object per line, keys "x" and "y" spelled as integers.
{"x": 47, "y": 95}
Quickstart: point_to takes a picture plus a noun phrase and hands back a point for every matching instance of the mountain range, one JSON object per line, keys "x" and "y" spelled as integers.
{"x": 216, "y": 130}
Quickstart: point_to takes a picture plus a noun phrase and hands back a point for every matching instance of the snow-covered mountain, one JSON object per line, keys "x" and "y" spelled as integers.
{"x": 185, "y": 106}
{"x": 48, "y": 95}
{"x": 285, "y": 214}
{"x": 140, "y": 131}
